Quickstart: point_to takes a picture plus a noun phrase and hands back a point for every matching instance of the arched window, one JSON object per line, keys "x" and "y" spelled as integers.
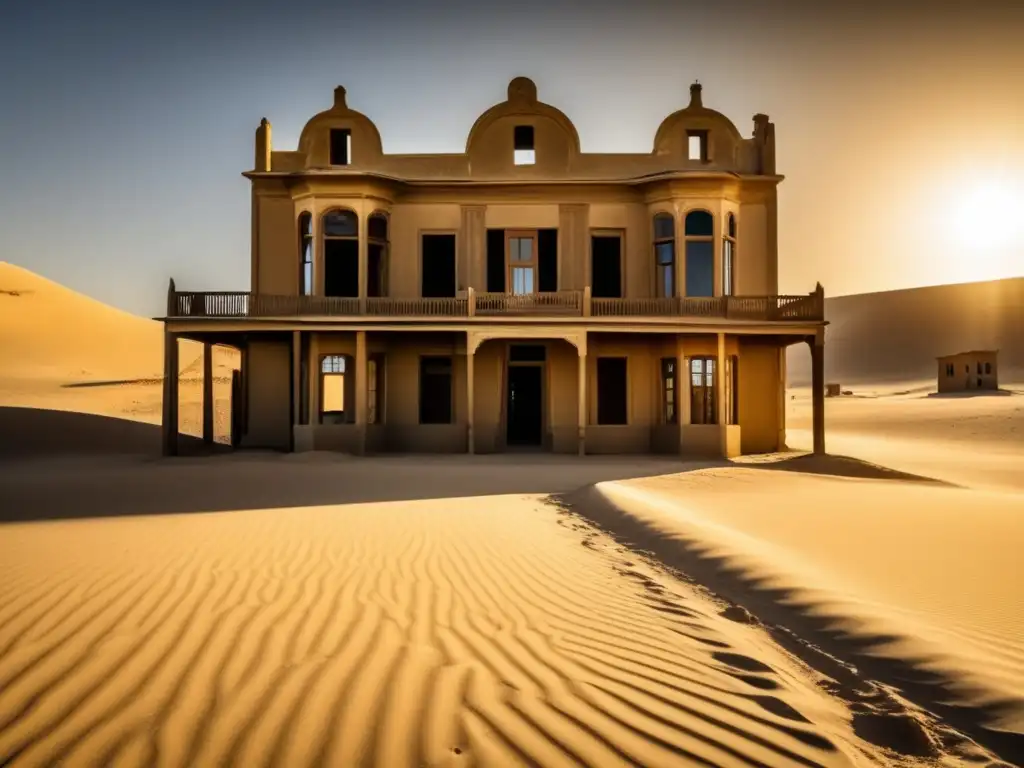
{"x": 377, "y": 255}
{"x": 729, "y": 257}
{"x": 700, "y": 253}
{"x": 341, "y": 253}
{"x": 305, "y": 254}
{"x": 664, "y": 255}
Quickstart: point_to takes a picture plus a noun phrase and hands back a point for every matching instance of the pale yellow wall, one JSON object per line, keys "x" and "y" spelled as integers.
{"x": 759, "y": 383}
{"x": 492, "y": 150}
{"x": 753, "y": 277}
{"x": 408, "y": 224}
{"x": 276, "y": 248}
{"x": 268, "y": 380}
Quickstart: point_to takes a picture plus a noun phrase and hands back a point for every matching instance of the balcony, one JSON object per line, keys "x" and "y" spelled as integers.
{"x": 560, "y": 304}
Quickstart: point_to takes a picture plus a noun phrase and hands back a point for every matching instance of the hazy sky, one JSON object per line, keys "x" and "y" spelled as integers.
{"x": 125, "y": 127}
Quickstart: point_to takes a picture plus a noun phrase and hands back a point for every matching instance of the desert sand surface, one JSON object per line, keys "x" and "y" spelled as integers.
{"x": 265, "y": 609}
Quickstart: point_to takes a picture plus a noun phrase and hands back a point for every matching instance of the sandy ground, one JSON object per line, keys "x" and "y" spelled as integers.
{"x": 259, "y": 609}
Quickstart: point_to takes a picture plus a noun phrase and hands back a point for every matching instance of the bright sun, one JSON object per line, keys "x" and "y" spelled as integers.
{"x": 988, "y": 216}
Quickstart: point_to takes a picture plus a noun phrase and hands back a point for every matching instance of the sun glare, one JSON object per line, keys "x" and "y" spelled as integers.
{"x": 989, "y": 215}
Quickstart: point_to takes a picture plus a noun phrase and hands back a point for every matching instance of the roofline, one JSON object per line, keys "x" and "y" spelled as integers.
{"x": 970, "y": 352}
{"x": 470, "y": 182}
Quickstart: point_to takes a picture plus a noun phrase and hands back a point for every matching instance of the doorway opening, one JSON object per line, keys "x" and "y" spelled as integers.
{"x": 525, "y": 396}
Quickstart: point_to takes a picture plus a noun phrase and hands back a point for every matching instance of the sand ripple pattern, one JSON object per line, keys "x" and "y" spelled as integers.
{"x": 489, "y": 631}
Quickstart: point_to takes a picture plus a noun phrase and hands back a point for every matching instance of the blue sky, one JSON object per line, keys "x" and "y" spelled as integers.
{"x": 125, "y": 128}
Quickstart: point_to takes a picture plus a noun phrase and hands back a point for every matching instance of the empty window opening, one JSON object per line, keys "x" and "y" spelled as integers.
{"x": 341, "y": 253}
{"x": 611, "y": 390}
{"x": 729, "y": 257}
{"x": 669, "y": 390}
{"x": 697, "y": 145}
{"x": 664, "y": 255}
{"x": 377, "y": 255}
{"x": 435, "y": 390}
{"x": 437, "y": 265}
{"x": 702, "y": 391}
{"x": 700, "y": 254}
{"x": 341, "y": 146}
{"x": 496, "y": 264}
{"x": 606, "y": 266}
{"x": 988, "y": 368}
{"x": 523, "y": 150}
{"x": 334, "y": 387}
{"x": 305, "y": 255}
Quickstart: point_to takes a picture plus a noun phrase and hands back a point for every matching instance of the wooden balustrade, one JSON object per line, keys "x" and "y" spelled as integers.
{"x": 240, "y": 304}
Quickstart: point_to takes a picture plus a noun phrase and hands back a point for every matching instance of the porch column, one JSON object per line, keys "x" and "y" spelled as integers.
{"x": 208, "y": 409}
{"x": 581, "y": 405}
{"x": 361, "y": 394}
{"x": 470, "y": 357}
{"x": 817, "y": 344}
{"x": 169, "y": 422}
{"x": 720, "y": 410}
{"x": 781, "y": 403}
{"x": 364, "y": 248}
{"x": 682, "y": 390}
{"x": 296, "y": 376}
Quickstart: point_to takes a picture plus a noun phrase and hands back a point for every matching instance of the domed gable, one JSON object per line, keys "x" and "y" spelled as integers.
{"x": 722, "y": 135}
{"x": 492, "y": 139}
{"x": 363, "y": 146}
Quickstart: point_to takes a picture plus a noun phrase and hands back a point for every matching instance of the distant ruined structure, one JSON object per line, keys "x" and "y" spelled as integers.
{"x": 968, "y": 371}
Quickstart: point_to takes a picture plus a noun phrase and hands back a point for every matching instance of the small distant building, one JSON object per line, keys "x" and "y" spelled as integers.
{"x": 968, "y": 371}
{"x": 833, "y": 390}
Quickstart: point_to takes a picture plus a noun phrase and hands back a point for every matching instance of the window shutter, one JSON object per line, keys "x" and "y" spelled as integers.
{"x": 547, "y": 260}
{"x": 495, "y": 261}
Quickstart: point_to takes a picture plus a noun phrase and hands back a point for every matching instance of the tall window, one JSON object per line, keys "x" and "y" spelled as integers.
{"x": 728, "y": 256}
{"x": 664, "y": 255}
{"x": 697, "y": 145}
{"x": 522, "y": 262}
{"x": 702, "y": 391}
{"x": 377, "y": 255}
{"x": 669, "y": 388}
{"x": 341, "y": 146}
{"x": 375, "y": 389}
{"x": 611, "y": 390}
{"x": 700, "y": 254}
{"x": 332, "y": 389}
{"x": 435, "y": 390}
{"x": 732, "y": 391}
{"x": 341, "y": 253}
{"x": 305, "y": 254}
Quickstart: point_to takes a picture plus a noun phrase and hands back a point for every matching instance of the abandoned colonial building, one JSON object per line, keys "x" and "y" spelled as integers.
{"x": 520, "y": 295}
{"x": 968, "y": 371}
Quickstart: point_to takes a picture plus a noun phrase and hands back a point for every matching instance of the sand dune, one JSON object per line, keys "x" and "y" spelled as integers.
{"x": 483, "y": 631}
{"x": 896, "y": 335}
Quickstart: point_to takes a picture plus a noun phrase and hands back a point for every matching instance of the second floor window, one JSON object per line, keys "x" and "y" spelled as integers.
{"x": 700, "y": 254}
{"x": 664, "y": 255}
{"x": 522, "y": 263}
{"x": 340, "y": 230}
{"x": 729, "y": 257}
{"x": 305, "y": 254}
{"x": 377, "y": 255}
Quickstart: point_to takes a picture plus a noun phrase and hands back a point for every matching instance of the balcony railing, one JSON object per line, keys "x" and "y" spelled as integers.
{"x": 237, "y": 304}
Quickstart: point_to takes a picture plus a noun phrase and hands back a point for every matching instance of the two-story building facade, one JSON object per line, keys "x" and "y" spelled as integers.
{"x": 520, "y": 294}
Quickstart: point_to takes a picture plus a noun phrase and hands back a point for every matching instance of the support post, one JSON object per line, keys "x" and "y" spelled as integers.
{"x": 169, "y": 424}
{"x": 208, "y": 409}
{"x": 470, "y": 356}
{"x": 781, "y": 404}
{"x": 586, "y": 301}
{"x": 296, "y": 377}
{"x": 682, "y": 390}
{"x": 581, "y": 403}
{"x": 361, "y": 393}
{"x": 720, "y": 410}
{"x": 817, "y": 344}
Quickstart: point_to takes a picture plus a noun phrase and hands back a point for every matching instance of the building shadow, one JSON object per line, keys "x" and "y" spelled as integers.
{"x": 972, "y": 393}
{"x": 842, "y": 466}
{"x": 797, "y": 621}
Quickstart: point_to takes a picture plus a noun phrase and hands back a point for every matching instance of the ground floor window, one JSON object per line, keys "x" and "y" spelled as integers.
{"x": 611, "y": 390}
{"x": 669, "y": 388}
{"x": 333, "y": 389}
{"x": 703, "y": 408}
{"x": 435, "y": 390}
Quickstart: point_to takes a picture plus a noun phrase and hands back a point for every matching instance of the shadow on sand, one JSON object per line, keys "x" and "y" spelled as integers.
{"x": 797, "y": 623}
{"x": 972, "y": 394}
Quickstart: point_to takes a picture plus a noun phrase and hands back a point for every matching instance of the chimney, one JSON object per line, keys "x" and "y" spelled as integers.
{"x": 695, "y": 100}
{"x": 764, "y": 138}
{"x": 263, "y": 146}
{"x": 339, "y": 98}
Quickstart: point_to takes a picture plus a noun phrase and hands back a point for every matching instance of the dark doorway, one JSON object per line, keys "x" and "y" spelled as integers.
{"x": 341, "y": 268}
{"x": 606, "y": 266}
{"x": 437, "y": 273}
{"x": 524, "y": 405}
